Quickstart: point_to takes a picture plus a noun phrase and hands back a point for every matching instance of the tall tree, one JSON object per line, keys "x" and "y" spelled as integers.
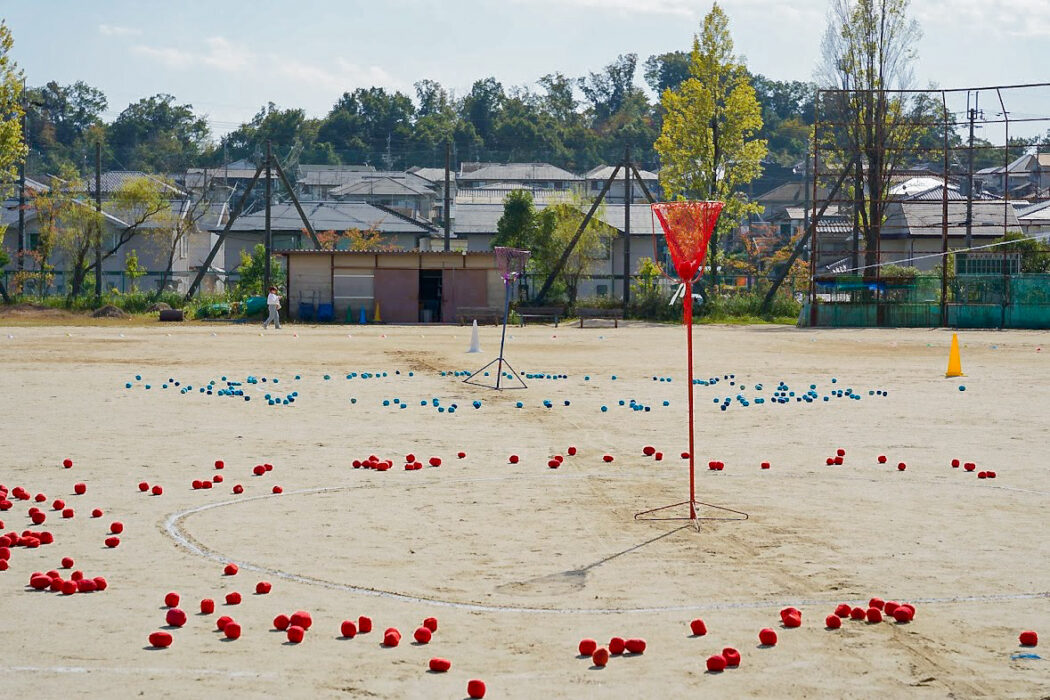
{"x": 612, "y": 88}
{"x": 667, "y": 71}
{"x": 480, "y": 108}
{"x": 12, "y": 145}
{"x": 868, "y": 51}
{"x": 517, "y": 227}
{"x": 62, "y": 120}
{"x": 157, "y": 135}
{"x": 708, "y": 147}
{"x": 364, "y": 125}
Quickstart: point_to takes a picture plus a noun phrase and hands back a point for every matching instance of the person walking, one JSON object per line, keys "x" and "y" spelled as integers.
{"x": 273, "y": 304}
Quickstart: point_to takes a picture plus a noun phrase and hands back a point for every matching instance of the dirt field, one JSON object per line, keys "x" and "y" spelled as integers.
{"x": 519, "y": 562}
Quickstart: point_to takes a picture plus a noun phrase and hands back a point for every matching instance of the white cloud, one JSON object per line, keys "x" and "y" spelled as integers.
{"x": 170, "y": 57}
{"x": 1025, "y": 18}
{"x": 115, "y": 30}
{"x": 338, "y": 77}
{"x": 217, "y": 52}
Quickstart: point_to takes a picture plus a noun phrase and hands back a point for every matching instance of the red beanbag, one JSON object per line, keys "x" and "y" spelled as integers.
{"x": 833, "y": 622}
{"x": 767, "y": 637}
{"x": 439, "y": 665}
{"x": 348, "y": 629}
{"x": 732, "y": 657}
{"x": 698, "y": 627}
{"x": 301, "y": 618}
{"x": 616, "y": 646}
{"x": 476, "y": 689}
{"x": 281, "y": 622}
{"x": 716, "y": 663}
{"x": 391, "y": 637}
{"x": 161, "y": 640}
{"x": 600, "y": 657}
{"x": 175, "y": 617}
{"x": 1029, "y": 638}
{"x": 364, "y": 624}
{"x": 635, "y": 645}
{"x": 296, "y": 634}
{"x": 232, "y": 630}
{"x": 422, "y": 635}
{"x": 587, "y": 647}
{"x": 431, "y": 624}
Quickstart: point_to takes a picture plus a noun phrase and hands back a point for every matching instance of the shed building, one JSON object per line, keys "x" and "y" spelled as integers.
{"x": 406, "y": 286}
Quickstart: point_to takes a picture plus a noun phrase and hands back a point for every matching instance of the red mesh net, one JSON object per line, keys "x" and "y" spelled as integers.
{"x": 687, "y": 228}
{"x": 511, "y": 262}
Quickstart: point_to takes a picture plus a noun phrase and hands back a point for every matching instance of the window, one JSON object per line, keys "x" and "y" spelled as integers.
{"x": 785, "y": 230}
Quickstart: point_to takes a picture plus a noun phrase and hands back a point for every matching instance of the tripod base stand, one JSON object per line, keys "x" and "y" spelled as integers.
{"x": 499, "y": 376}
{"x": 653, "y": 513}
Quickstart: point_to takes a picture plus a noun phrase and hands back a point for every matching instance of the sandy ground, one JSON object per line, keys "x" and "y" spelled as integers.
{"x": 520, "y": 562}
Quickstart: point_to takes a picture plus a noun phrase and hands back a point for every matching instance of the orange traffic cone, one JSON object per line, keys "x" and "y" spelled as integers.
{"x": 954, "y": 361}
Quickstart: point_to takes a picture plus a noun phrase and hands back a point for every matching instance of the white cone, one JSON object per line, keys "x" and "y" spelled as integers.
{"x": 475, "y": 342}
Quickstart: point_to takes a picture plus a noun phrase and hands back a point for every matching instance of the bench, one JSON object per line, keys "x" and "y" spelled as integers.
{"x": 611, "y": 314}
{"x": 466, "y": 314}
{"x": 552, "y": 312}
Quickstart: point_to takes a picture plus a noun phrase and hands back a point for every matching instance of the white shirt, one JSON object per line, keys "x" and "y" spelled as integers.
{"x": 273, "y": 300}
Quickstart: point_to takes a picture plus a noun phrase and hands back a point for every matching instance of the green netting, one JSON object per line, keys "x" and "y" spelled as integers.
{"x": 973, "y": 301}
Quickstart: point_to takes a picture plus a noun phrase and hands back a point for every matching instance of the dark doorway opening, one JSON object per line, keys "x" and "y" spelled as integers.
{"x": 430, "y": 296}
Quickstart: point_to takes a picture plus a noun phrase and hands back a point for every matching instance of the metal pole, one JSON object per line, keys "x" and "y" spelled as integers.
{"x": 98, "y": 223}
{"x": 688, "y": 314}
{"x": 448, "y": 196}
{"x": 944, "y": 220}
{"x": 22, "y": 183}
{"x": 268, "y": 236}
{"x": 626, "y": 227}
{"x": 969, "y": 190}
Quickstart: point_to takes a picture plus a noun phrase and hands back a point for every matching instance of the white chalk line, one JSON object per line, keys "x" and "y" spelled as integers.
{"x": 137, "y": 671}
{"x": 181, "y": 538}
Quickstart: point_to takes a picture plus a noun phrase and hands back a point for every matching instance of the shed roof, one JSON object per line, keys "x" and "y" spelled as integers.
{"x": 381, "y": 186}
{"x": 602, "y": 172}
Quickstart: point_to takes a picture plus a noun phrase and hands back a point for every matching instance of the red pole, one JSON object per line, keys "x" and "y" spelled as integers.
{"x": 689, "y": 344}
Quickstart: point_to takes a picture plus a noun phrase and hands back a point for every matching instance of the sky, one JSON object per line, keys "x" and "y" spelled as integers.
{"x": 228, "y": 59}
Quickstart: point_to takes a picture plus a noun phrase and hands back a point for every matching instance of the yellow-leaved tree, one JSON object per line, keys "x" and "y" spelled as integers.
{"x": 708, "y": 148}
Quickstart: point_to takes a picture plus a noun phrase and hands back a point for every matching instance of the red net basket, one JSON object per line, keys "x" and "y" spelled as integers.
{"x": 687, "y": 228}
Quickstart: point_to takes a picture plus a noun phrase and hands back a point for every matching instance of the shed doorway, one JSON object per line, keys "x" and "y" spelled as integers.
{"x": 430, "y": 289}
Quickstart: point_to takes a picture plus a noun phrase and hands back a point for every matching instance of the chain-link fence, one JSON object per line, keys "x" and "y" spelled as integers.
{"x": 972, "y": 301}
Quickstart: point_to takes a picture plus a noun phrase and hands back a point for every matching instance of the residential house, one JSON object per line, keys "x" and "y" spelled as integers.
{"x": 1025, "y": 177}
{"x": 596, "y": 178}
{"x": 491, "y": 182}
{"x": 913, "y": 230}
{"x": 316, "y": 181}
{"x": 407, "y": 193}
{"x": 182, "y": 230}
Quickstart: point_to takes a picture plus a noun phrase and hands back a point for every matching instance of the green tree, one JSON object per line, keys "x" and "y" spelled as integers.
{"x": 133, "y": 270}
{"x": 667, "y": 71}
{"x": 12, "y": 141}
{"x": 708, "y": 146}
{"x": 157, "y": 135}
{"x": 1035, "y": 254}
{"x": 517, "y": 227}
{"x": 251, "y": 270}
{"x": 63, "y": 123}
{"x": 868, "y": 51}
{"x": 556, "y": 226}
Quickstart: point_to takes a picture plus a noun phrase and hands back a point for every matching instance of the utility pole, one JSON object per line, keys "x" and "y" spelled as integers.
{"x": 98, "y": 222}
{"x": 448, "y": 196}
{"x": 626, "y": 227}
{"x": 22, "y": 182}
{"x": 969, "y": 192}
{"x": 268, "y": 239}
